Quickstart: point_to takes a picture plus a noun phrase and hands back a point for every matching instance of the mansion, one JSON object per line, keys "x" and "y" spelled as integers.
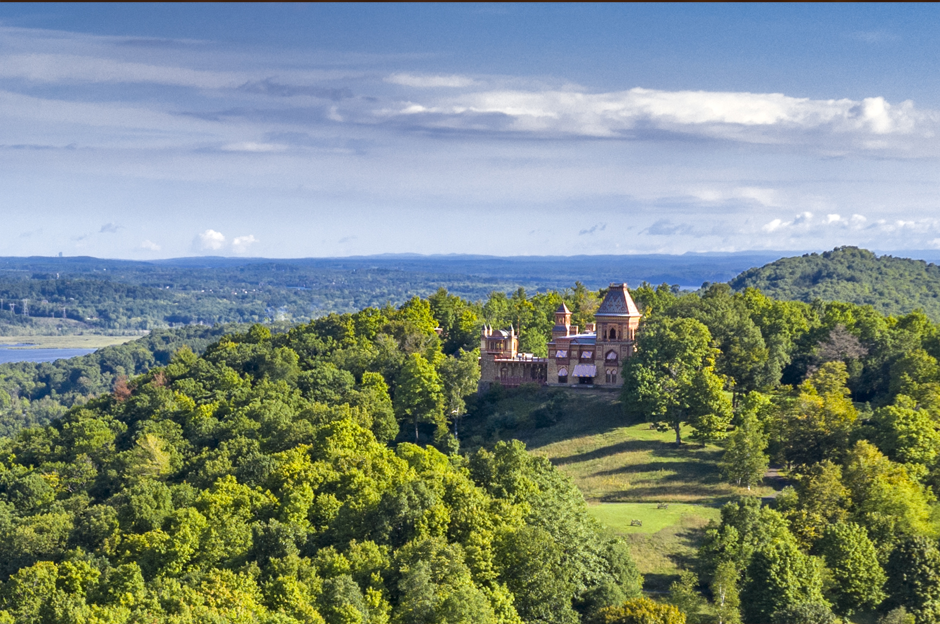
{"x": 592, "y": 357}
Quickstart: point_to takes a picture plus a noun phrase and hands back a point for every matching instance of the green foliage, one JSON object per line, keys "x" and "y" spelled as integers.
{"x": 891, "y": 285}
{"x": 856, "y": 577}
{"x": 671, "y": 378}
{"x": 745, "y": 460}
{"x": 780, "y": 578}
{"x": 255, "y": 484}
{"x": 724, "y": 589}
{"x": 684, "y": 595}
{"x": 641, "y": 611}
{"x": 913, "y": 571}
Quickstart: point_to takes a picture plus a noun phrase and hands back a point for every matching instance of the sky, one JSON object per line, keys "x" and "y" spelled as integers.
{"x": 165, "y": 130}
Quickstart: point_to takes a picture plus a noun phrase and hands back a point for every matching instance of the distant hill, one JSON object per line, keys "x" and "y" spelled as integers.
{"x": 889, "y": 284}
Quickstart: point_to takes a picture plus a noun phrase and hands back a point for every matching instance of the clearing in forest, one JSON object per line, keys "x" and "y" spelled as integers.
{"x": 627, "y": 472}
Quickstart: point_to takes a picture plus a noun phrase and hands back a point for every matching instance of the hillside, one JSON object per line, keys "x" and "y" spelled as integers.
{"x": 891, "y": 285}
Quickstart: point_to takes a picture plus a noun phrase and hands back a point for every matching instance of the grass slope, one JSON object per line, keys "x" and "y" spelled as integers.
{"x": 624, "y": 469}
{"x": 890, "y": 285}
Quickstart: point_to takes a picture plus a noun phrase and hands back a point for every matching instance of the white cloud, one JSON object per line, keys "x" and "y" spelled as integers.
{"x": 426, "y": 81}
{"x": 149, "y": 245}
{"x": 71, "y": 68}
{"x": 241, "y": 243}
{"x": 774, "y": 225}
{"x": 870, "y": 123}
{"x": 250, "y": 146}
{"x": 210, "y": 240}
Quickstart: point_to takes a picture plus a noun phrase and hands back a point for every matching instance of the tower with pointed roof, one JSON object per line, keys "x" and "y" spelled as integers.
{"x": 592, "y": 357}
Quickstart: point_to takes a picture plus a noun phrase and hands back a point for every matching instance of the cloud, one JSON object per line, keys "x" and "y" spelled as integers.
{"x": 806, "y": 222}
{"x": 269, "y": 87}
{"x": 252, "y": 146}
{"x": 210, "y": 240}
{"x": 429, "y": 81}
{"x": 242, "y": 243}
{"x": 665, "y": 227}
{"x": 767, "y": 118}
{"x": 110, "y": 228}
{"x": 74, "y": 68}
{"x": 150, "y": 245}
{"x": 597, "y": 227}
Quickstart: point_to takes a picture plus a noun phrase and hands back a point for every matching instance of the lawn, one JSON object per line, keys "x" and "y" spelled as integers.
{"x": 625, "y": 469}
{"x": 619, "y": 516}
{"x": 612, "y": 460}
{"x": 84, "y": 341}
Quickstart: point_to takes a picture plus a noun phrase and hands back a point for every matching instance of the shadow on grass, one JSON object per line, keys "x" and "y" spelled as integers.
{"x": 627, "y": 446}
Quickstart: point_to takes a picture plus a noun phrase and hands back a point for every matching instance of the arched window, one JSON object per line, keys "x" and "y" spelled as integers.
{"x": 611, "y": 375}
{"x": 611, "y": 357}
{"x": 613, "y": 333}
{"x": 503, "y": 372}
{"x": 562, "y": 375}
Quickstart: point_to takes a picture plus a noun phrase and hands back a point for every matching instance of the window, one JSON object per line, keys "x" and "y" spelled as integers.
{"x": 562, "y": 375}
{"x": 503, "y": 373}
{"x": 587, "y": 355}
{"x": 611, "y": 375}
{"x": 613, "y": 333}
{"x": 561, "y": 353}
{"x": 611, "y": 356}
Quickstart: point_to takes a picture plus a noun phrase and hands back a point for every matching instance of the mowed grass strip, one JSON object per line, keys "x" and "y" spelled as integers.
{"x": 668, "y": 541}
{"x": 620, "y": 516}
{"x": 634, "y": 463}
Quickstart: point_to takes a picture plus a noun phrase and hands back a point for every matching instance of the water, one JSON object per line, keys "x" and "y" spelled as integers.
{"x": 10, "y": 354}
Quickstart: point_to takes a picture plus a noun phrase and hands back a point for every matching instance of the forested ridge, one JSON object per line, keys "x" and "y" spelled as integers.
{"x": 256, "y": 484}
{"x": 344, "y": 470}
{"x": 891, "y": 285}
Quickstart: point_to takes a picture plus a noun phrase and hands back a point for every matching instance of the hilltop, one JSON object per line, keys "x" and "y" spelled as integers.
{"x": 889, "y": 284}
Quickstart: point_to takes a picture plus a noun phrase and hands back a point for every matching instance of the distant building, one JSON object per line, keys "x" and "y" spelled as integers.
{"x": 591, "y": 358}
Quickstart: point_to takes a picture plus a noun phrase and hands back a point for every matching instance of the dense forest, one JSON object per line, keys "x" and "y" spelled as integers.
{"x": 891, "y": 285}
{"x": 346, "y": 470}
{"x": 256, "y": 483}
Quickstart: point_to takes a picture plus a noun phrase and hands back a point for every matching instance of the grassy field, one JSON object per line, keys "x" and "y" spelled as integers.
{"x": 625, "y": 469}
{"x": 85, "y": 341}
{"x": 612, "y": 460}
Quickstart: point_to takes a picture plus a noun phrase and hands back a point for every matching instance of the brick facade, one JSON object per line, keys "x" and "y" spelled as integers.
{"x": 592, "y": 358}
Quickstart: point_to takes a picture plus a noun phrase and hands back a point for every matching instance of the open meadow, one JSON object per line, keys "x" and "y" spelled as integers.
{"x": 626, "y": 471}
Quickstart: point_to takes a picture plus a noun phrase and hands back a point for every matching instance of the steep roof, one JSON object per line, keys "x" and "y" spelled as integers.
{"x": 562, "y": 309}
{"x": 618, "y": 302}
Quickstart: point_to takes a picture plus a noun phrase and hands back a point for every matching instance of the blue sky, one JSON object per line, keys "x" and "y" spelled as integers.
{"x": 149, "y": 131}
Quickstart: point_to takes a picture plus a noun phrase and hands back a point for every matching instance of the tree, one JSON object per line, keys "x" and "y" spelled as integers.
{"x": 913, "y": 571}
{"x": 419, "y": 394}
{"x": 671, "y": 378}
{"x": 885, "y": 499}
{"x": 856, "y": 576}
{"x": 724, "y": 588}
{"x": 684, "y": 595}
{"x": 460, "y": 376}
{"x": 641, "y": 611}
{"x": 744, "y": 461}
{"x": 818, "y": 424}
{"x": 780, "y": 577}
{"x": 905, "y": 433}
